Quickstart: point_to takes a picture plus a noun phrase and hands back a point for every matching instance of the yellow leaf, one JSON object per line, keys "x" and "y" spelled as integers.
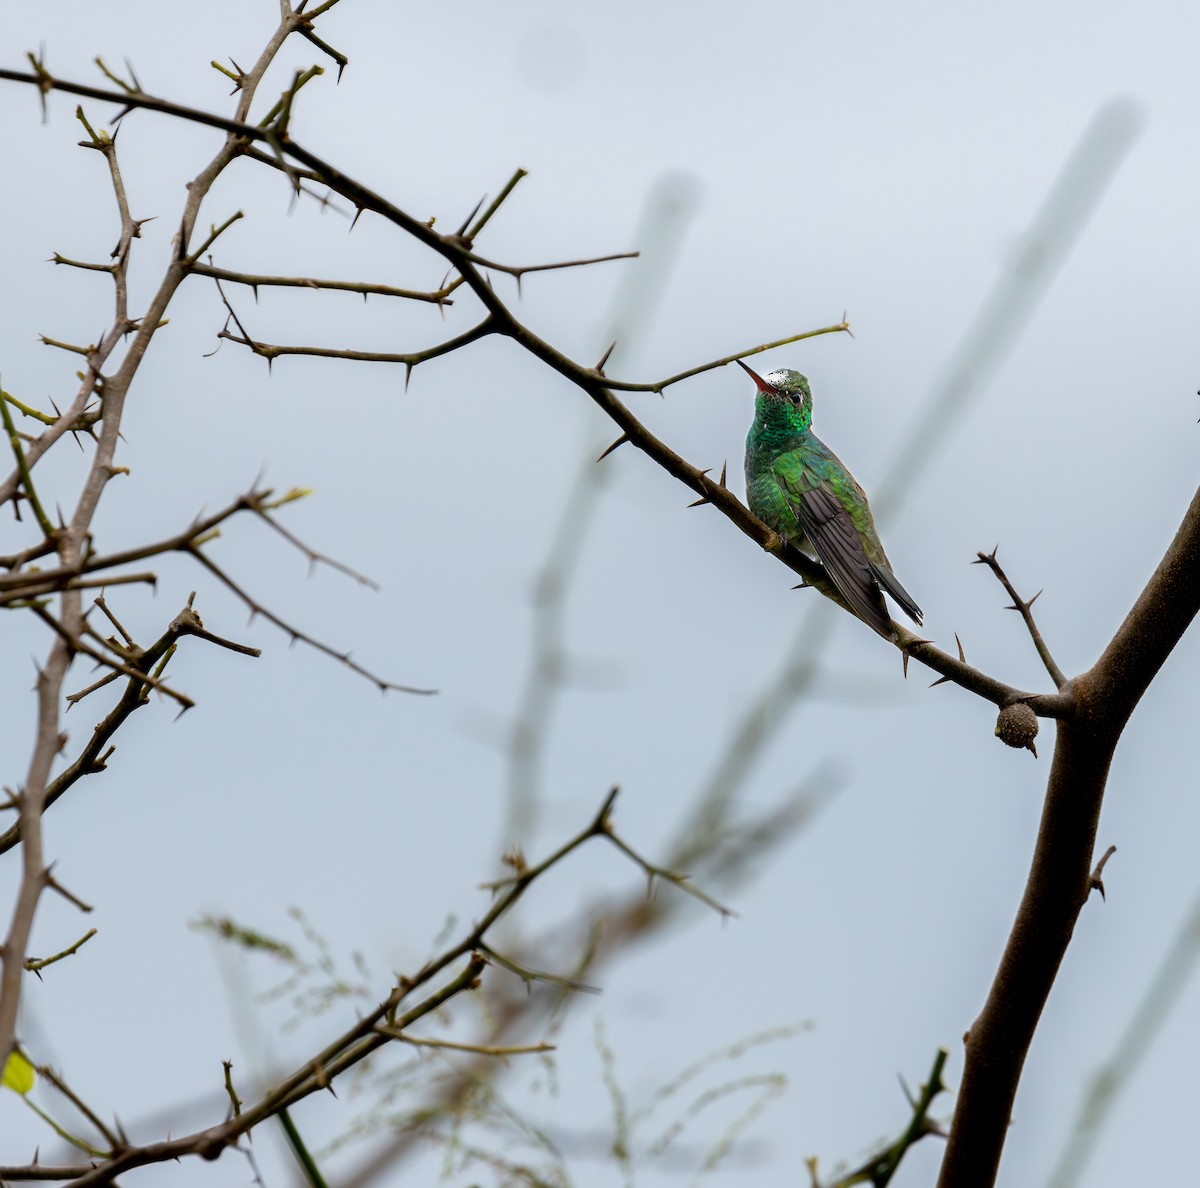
{"x": 18, "y": 1074}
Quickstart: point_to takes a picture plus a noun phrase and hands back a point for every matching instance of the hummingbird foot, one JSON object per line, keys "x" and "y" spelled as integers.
{"x": 775, "y": 543}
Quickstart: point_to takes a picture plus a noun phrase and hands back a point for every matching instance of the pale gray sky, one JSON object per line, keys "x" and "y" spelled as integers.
{"x": 880, "y": 161}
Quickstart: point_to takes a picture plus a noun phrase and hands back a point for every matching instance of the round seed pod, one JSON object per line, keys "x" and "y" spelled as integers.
{"x": 1017, "y": 726}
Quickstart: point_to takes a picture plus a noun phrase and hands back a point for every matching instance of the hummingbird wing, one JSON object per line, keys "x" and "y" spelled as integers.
{"x": 835, "y": 540}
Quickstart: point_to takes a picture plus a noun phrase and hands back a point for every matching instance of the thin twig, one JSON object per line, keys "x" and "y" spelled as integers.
{"x": 1025, "y": 609}
{"x": 520, "y": 270}
{"x": 57, "y": 1081}
{"x": 668, "y": 876}
{"x": 294, "y": 633}
{"x": 660, "y": 385}
{"x": 272, "y": 351}
{"x": 473, "y": 232}
{"x": 478, "y": 1049}
{"x": 23, "y": 470}
{"x": 314, "y": 558}
{"x": 528, "y": 975}
{"x": 93, "y": 758}
{"x": 879, "y": 1169}
{"x": 77, "y": 644}
{"x": 377, "y": 1027}
{"x": 258, "y": 280}
{"x": 34, "y": 965}
{"x": 37, "y": 586}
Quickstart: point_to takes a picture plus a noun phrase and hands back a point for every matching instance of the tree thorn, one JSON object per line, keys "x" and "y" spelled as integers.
{"x": 905, "y": 650}
{"x": 1096, "y": 882}
{"x": 612, "y": 346}
{"x": 619, "y": 442}
{"x": 462, "y": 231}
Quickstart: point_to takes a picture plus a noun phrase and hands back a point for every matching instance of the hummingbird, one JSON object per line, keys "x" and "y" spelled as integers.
{"x": 799, "y": 488}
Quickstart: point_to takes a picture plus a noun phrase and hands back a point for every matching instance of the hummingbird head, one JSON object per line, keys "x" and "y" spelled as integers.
{"x": 784, "y": 398}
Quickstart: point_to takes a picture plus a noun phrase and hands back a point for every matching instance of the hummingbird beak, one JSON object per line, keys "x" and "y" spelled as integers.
{"x": 763, "y": 386}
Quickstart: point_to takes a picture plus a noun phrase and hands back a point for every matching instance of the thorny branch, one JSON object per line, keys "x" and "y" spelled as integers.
{"x": 1092, "y": 709}
{"x": 19, "y": 587}
{"x": 1025, "y": 609}
{"x": 1062, "y": 875}
{"x": 386, "y": 1022}
{"x": 880, "y": 1168}
{"x": 72, "y": 539}
{"x": 143, "y": 667}
{"x": 256, "y": 281}
{"x": 601, "y": 390}
{"x": 455, "y": 250}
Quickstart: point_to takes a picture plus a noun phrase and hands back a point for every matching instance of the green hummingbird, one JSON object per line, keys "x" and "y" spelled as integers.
{"x": 798, "y": 486}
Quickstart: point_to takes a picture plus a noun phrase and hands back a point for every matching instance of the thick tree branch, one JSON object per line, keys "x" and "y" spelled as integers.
{"x": 1060, "y": 879}
{"x": 1162, "y": 613}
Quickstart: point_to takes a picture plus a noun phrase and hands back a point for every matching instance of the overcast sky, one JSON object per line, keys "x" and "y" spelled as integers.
{"x": 798, "y": 162}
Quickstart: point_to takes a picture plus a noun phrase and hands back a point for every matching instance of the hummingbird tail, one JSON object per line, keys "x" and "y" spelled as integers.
{"x": 903, "y": 598}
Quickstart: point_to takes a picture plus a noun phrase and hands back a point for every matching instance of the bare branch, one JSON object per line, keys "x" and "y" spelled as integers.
{"x": 880, "y": 1169}
{"x": 214, "y": 234}
{"x": 271, "y": 351}
{"x": 1060, "y": 878}
{"x": 314, "y": 558}
{"x": 529, "y": 976}
{"x": 33, "y": 588}
{"x": 14, "y": 441}
{"x": 660, "y": 385}
{"x": 602, "y": 392}
{"x": 500, "y": 1050}
{"x": 520, "y": 270}
{"x": 73, "y": 539}
{"x": 33, "y": 965}
{"x": 57, "y": 1081}
{"x": 668, "y": 876}
{"x": 473, "y": 232}
{"x": 257, "y": 280}
{"x": 383, "y": 1024}
{"x": 93, "y": 758}
{"x": 1026, "y": 612}
{"x": 76, "y": 644}
{"x": 297, "y": 636}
